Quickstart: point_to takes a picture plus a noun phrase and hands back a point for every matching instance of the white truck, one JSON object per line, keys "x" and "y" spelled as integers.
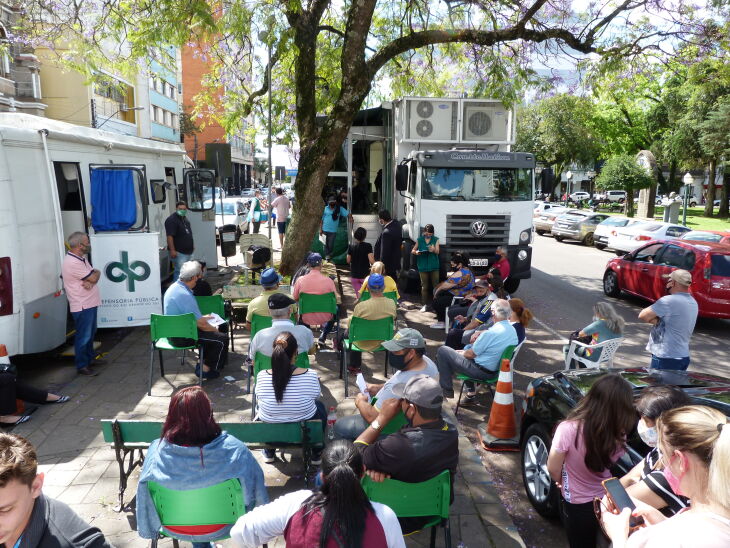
{"x": 57, "y": 178}
{"x": 453, "y": 168}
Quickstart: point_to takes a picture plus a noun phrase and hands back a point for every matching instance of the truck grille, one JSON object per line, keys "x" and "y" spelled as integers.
{"x": 459, "y": 237}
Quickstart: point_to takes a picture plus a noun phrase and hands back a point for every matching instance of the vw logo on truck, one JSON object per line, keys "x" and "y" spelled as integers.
{"x": 478, "y": 229}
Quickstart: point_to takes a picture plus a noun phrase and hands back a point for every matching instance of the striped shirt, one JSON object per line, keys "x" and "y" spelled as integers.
{"x": 659, "y": 485}
{"x": 297, "y": 403}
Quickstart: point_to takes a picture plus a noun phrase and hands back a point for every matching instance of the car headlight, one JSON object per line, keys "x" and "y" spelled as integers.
{"x": 522, "y": 255}
{"x": 525, "y": 236}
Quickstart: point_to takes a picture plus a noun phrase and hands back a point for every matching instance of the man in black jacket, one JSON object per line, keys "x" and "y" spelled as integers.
{"x": 29, "y": 519}
{"x": 387, "y": 247}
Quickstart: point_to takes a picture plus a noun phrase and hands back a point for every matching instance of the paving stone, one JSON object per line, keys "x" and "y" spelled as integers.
{"x": 74, "y": 493}
{"x": 62, "y": 478}
{"x": 505, "y": 537}
{"x": 472, "y": 532}
{"x": 494, "y": 514}
{"x": 92, "y": 473}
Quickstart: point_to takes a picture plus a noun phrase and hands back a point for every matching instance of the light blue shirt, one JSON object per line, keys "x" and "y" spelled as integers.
{"x": 179, "y": 299}
{"x": 402, "y": 377}
{"x": 263, "y": 341}
{"x": 669, "y": 338}
{"x": 328, "y": 223}
{"x": 490, "y": 345}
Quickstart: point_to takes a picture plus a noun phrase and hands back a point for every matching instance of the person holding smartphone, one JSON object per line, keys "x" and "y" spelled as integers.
{"x": 426, "y": 251}
{"x": 584, "y": 448}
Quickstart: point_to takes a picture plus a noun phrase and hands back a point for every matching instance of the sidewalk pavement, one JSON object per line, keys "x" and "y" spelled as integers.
{"x": 80, "y": 469}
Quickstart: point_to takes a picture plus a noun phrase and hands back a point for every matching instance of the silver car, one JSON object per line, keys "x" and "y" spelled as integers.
{"x": 543, "y": 223}
{"x": 577, "y": 224}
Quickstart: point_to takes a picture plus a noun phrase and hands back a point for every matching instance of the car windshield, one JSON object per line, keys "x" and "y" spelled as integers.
{"x": 615, "y": 221}
{"x": 721, "y": 265}
{"x": 225, "y": 208}
{"x": 702, "y": 236}
{"x": 497, "y": 185}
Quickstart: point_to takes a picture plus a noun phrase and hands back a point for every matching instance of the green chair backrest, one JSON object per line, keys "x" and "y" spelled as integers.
{"x": 210, "y": 304}
{"x": 392, "y": 295}
{"x": 308, "y": 302}
{"x": 259, "y": 322}
{"x": 164, "y": 327}
{"x": 395, "y": 424}
{"x": 507, "y": 354}
{"x": 361, "y": 329}
{"x": 279, "y": 432}
{"x": 143, "y": 432}
{"x": 218, "y": 504}
{"x": 428, "y": 498}
{"x": 262, "y": 361}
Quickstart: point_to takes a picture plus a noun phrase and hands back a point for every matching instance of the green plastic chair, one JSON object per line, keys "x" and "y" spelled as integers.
{"x": 361, "y": 329}
{"x": 220, "y": 504}
{"x": 508, "y": 354}
{"x": 392, "y": 295}
{"x": 259, "y": 322}
{"x": 262, "y": 362}
{"x": 215, "y": 304}
{"x": 396, "y": 423}
{"x": 410, "y": 500}
{"x": 327, "y": 302}
{"x": 162, "y": 329}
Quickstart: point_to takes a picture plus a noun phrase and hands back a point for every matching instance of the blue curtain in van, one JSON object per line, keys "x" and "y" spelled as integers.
{"x": 113, "y": 202}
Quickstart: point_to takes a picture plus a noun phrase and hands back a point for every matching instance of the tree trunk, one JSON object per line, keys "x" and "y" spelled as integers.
{"x": 629, "y": 204}
{"x": 710, "y": 188}
{"x": 723, "y": 211}
{"x": 669, "y": 187}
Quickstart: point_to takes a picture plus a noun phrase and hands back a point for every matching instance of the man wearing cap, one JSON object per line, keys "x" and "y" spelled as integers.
{"x": 417, "y": 452}
{"x": 376, "y": 307}
{"x": 407, "y": 356}
{"x": 259, "y": 306}
{"x": 473, "y": 316}
{"x": 280, "y": 309}
{"x": 316, "y": 283}
{"x": 673, "y": 318}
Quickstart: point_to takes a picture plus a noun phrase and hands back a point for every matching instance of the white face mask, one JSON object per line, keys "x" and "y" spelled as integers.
{"x": 646, "y": 433}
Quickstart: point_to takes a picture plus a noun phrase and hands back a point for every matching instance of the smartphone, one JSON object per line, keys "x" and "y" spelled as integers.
{"x": 621, "y": 499}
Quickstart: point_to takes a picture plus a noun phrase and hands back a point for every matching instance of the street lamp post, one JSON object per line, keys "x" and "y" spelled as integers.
{"x": 122, "y": 108}
{"x": 568, "y": 177}
{"x": 264, "y": 37}
{"x": 688, "y": 180}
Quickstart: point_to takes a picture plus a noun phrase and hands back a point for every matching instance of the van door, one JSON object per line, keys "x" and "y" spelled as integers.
{"x": 71, "y": 198}
{"x": 199, "y": 187}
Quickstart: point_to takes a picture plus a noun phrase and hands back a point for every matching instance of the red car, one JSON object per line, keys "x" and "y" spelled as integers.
{"x": 718, "y": 236}
{"x": 641, "y": 273}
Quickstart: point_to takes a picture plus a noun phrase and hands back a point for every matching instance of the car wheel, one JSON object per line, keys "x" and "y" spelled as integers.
{"x": 693, "y": 204}
{"x": 588, "y": 240}
{"x": 600, "y": 246}
{"x": 541, "y": 490}
{"x": 558, "y": 238}
{"x": 511, "y": 285}
{"x": 610, "y": 284}
{"x": 540, "y": 232}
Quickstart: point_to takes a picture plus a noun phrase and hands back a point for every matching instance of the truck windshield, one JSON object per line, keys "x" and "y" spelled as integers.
{"x": 494, "y": 185}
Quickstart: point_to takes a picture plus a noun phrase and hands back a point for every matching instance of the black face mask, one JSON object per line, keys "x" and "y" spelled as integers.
{"x": 397, "y": 361}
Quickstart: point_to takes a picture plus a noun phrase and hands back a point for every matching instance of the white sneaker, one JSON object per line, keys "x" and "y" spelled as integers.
{"x": 424, "y": 308}
{"x": 437, "y": 325}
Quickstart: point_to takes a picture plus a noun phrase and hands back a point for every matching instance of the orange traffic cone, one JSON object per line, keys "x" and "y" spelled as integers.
{"x": 501, "y": 431}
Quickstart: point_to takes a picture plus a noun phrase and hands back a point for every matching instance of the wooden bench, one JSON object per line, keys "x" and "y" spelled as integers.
{"x": 130, "y": 438}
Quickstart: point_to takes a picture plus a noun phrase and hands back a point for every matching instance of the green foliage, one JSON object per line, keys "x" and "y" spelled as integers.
{"x": 623, "y": 173}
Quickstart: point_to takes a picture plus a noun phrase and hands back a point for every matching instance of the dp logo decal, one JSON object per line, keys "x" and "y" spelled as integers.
{"x": 138, "y": 271}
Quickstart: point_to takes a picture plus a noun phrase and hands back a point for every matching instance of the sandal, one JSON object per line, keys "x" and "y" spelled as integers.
{"x": 21, "y": 420}
{"x": 61, "y": 399}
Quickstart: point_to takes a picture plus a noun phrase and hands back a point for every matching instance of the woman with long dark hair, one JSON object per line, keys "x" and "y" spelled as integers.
{"x": 287, "y": 393}
{"x": 194, "y": 453}
{"x": 339, "y": 515}
{"x": 585, "y": 446}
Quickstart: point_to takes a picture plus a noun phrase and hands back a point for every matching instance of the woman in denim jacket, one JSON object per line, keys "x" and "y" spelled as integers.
{"x": 194, "y": 453}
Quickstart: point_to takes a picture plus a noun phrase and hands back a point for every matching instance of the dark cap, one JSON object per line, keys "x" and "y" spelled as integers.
{"x": 314, "y": 259}
{"x": 422, "y": 390}
{"x": 277, "y": 301}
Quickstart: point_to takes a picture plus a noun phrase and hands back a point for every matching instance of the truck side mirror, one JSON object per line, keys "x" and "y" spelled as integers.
{"x": 401, "y": 178}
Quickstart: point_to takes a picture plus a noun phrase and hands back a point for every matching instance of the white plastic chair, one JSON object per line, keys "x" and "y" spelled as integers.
{"x": 247, "y": 240}
{"x": 608, "y": 349}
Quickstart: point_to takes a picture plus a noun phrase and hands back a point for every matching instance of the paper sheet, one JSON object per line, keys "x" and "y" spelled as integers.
{"x": 215, "y": 320}
{"x": 361, "y": 384}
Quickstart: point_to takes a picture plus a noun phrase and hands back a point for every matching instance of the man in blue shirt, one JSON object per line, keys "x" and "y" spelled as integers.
{"x": 481, "y": 361}
{"x": 179, "y": 299}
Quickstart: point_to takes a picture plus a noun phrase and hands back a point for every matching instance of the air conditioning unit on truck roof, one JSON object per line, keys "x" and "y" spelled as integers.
{"x": 485, "y": 122}
{"x": 429, "y": 119}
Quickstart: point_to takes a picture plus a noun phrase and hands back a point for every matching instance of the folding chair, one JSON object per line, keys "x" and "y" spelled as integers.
{"x": 510, "y": 353}
{"x": 608, "y": 349}
{"x": 162, "y": 329}
{"x": 326, "y": 302}
{"x": 361, "y": 329}
{"x": 408, "y": 500}
{"x": 216, "y": 304}
{"x": 262, "y": 362}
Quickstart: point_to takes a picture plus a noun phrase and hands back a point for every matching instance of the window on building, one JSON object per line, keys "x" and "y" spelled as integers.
{"x": 166, "y": 117}
{"x": 173, "y": 122}
{"x": 156, "y": 113}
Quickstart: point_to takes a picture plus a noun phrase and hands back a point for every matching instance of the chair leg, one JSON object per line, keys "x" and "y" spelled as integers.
{"x": 447, "y": 533}
{"x": 345, "y": 374}
{"x": 162, "y": 365}
{"x": 458, "y": 402}
{"x": 248, "y": 383}
{"x": 175, "y": 543}
{"x": 253, "y": 404}
{"x": 152, "y": 365}
{"x": 386, "y": 364}
{"x": 433, "y": 536}
{"x": 200, "y": 364}
{"x": 182, "y": 358}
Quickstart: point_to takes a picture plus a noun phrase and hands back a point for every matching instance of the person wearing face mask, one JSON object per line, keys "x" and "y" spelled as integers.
{"x": 407, "y": 356}
{"x": 607, "y": 324}
{"x": 333, "y": 213}
{"x": 417, "y": 452}
{"x": 673, "y": 318}
{"x": 388, "y": 245}
{"x": 695, "y": 445}
{"x": 180, "y": 243}
{"x": 646, "y": 481}
{"x": 80, "y": 281}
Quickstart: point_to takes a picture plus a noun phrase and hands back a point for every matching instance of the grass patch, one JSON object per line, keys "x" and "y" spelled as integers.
{"x": 695, "y": 219}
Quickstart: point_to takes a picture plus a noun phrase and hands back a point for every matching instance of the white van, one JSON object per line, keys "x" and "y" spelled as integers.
{"x": 616, "y": 196}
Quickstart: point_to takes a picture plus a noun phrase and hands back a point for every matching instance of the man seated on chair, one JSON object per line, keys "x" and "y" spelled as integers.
{"x": 375, "y": 308}
{"x": 316, "y": 283}
{"x": 480, "y": 360}
{"x": 280, "y": 309}
{"x": 179, "y": 299}
{"x": 417, "y": 452}
{"x": 259, "y": 306}
{"x": 407, "y": 356}
{"x": 470, "y": 317}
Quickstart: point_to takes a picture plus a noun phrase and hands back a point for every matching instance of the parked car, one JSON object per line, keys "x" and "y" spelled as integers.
{"x": 580, "y": 196}
{"x": 544, "y": 223}
{"x": 716, "y": 236}
{"x": 248, "y": 192}
{"x": 616, "y": 196}
{"x": 232, "y": 211}
{"x": 577, "y": 224}
{"x": 549, "y": 399}
{"x": 541, "y": 207}
{"x": 630, "y": 237}
{"x": 607, "y": 227}
{"x": 641, "y": 273}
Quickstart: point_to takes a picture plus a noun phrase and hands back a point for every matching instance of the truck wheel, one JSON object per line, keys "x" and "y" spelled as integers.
{"x": 610, "y": 284}
{"x": 540, "y": 232}
{"x": 558, "y": 238}
{"x": 511, "y": 285}
{"x": 588, "y": 240}
{"x": 541, "y": 491}
{"x": 406, "y": 257}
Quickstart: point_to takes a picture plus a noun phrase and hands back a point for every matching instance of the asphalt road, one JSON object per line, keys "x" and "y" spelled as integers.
{"x": 566, "y": 282}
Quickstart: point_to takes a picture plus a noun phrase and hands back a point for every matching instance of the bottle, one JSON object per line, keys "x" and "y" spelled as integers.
{"x": 331, "y": 420}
